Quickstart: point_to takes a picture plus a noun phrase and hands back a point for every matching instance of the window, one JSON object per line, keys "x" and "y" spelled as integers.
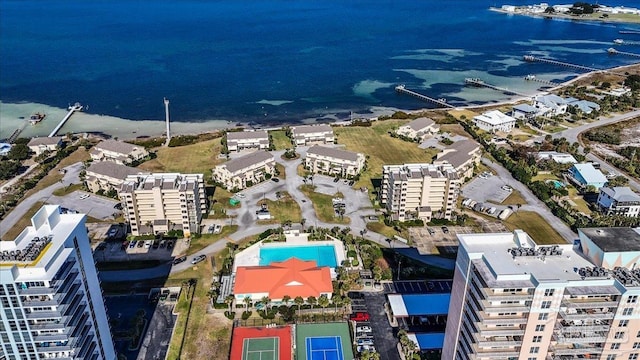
{"x": 619, "y": 335}
{"x": 627, "y": 311}
{"x": 537, "y": 339}
{"x": 549, "y": 292}
{"x": 611, "y": 357}
{"x": 623, "y": 323}
{"x": 546, "y": 304}
{"x": 632, "y": 300}
{"x": 534, "y": 350}
{"x": 636, "y": 345}
{"x": 615, "y": 346}
{"x": 633, "y": 356}
{"x": 543, "y": 316}
{"x": 539, "y": 327}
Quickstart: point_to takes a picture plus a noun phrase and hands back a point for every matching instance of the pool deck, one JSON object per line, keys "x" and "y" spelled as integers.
{"x": 251, "y": 255}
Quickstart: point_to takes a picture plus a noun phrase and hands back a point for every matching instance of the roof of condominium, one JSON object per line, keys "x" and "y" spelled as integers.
{"x": 333, "y": 152}
{"x": 421, "y": 123}
{"x": 620, "y": 193}
{"x": 307, "y": 129}
{"x": 494, "y": 117}
{"x": 165, "y": 181}
{"x": 37, "y": 141}
{"x": 241, "y": 135}
{"x": 247, "y": 160}
{"x": 117, "y": 146}
{"x": 461, "y": 155}
{"x": 111, "y": 169}
{"x": 614, "y": 239}
{"x": 403, "y": 172}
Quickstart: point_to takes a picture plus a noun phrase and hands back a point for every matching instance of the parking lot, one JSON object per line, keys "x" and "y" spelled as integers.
{"x": 95, "y": 206}
{"x": 438, "y": 239}
{"x": 418, "y": 287}
{"x": 487, "y": 189}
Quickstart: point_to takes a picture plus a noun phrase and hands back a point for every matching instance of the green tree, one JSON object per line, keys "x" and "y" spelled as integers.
{"x": 19, "y": 152}
{"x": 9, "y": 169}
{"x": 247, "y": 302}
{"x": 286, "y": 299}
{"x": 229, "y": 301}
{"x": 323, "y": 301}
{"x": 298, "y": 301}
{"x": 311, "y": 300}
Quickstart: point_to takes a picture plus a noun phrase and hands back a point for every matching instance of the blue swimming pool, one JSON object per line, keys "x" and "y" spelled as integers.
{"x": 323, "y": 255}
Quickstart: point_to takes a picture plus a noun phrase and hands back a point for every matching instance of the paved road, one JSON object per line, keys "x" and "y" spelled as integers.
{"x": 70, "y": 177}
{"x": 384, "y": 339}
{"x": 533, "y": 203}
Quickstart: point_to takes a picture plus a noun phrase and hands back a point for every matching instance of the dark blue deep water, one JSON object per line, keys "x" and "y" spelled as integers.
{"x": 231, "y": 59}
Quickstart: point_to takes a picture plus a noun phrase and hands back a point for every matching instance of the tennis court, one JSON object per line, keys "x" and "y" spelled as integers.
{"x": 261, "y": 343}
{"x": 328, "y": 341}
{"x": 260, "y": 349}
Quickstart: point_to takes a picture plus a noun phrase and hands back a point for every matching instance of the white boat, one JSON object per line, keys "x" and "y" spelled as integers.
{"x": 618, "y": 41}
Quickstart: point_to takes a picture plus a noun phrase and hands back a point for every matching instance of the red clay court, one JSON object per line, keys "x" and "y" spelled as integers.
{"x": 261, "y": 343}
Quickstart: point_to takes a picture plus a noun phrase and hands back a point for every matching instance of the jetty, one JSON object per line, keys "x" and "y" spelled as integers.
{"x": 613, "y": 51}
{"x": 480, "y": 83}
{"x": 631, "y": 32}
{"x": 72, "y": 109}
{"x": 625, "y": 42}
{"x": 531, "y": 58}
{"x": 546, "y": 82}
{"x": 441, "y": 102}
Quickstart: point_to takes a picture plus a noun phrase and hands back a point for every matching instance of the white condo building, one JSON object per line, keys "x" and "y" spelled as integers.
{"x": 494, "y": 120}
{"x": 241, "y": 140}
{"x": 305, "y": 134}
{"x": 52, "y": 305}
{"x": 422, "y": 191}
{"x": 514, "y": 299}
{"x": 332, "y": 161}
{"x": 158, "y": 203}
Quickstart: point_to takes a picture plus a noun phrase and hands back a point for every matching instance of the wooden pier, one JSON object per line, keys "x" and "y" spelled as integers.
{"x": 72, "y": 110}
{"x": 546, "y": 82}
{"x": 441, "y": 102}
{"x": 629, "y": 32}
{"x": 480, "y": 83}
{"x": 613, "y": 51}
{"x": 530, "y": 58}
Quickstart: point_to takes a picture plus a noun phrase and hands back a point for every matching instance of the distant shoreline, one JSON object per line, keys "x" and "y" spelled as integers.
{"x": 607, "y": 20}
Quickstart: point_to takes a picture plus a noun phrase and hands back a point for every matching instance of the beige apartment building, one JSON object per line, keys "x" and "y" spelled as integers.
{"x": 107, "y": 175}
{"x": 463, "y": 155}
{"x": 422, "y": 191}
{"x": 332, "y": 161}
{"x": 119, "y": 152}
{"x": 157, "y": 203}
{"x": 242, "y": 140}
{"x": 306, "y": 134}
{"x": 41, "y": 144}
{"x": 419, "y": 128}
{"x": 514, "y": 299}
{"x": 245, "y": 171}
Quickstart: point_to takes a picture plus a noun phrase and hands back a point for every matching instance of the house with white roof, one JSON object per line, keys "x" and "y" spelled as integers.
{"x": 495, "y": 120}
{"x": 241, "y": 140}
{"x": 305, "y": 134}
{"x": 332, "y": 161}
{"x": 586, "y": 175}
{"x": 550, "y": 105}
{"x": 619, "y": 201}
{"x": 560, "y": 158}
{"x": 418, "y": 129}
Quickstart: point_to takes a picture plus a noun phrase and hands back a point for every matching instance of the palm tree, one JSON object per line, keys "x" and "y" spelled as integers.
{"x": 346, "y": 301}
{"x": 286, "y": 299}
{"x": 247, "y": 302}
{"x": 323, "y": 301}
{"x": 311, "y": 300}
{"x": 212, "y": 294}
{"x": 266, "y": 302}
{"x": 337, "y": 301}
{"x": 298, "y": 301}
{"x": 229, "y": 300}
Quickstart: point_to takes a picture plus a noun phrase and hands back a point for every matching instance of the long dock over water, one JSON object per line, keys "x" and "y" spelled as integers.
{"x": 480, "y": 83}
{"x": 542, "y": 81}
{"x": 613, "y": 51}
{"x": 72, "y": 110}
{"x": 403, "y": 90}
{"x": 531, "y": 58}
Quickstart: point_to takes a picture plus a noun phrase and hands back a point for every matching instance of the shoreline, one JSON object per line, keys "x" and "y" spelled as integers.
{"x": 14, "y": 115}
{"x": 555, "y": 16}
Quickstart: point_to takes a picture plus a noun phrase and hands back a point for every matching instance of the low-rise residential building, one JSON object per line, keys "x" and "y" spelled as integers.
{"x": 524, "y": 112}
{"x": 241, "y": 140}
{"x": 560, "y": 158}
{"x": 586, "y": 175}
{"x": 41, "y": 144}
{"x": 160, "y": 202}
{"x": 119, "y": 152}
{"x": 107, "y": 175}
{"x": 494, "y": 120}
{"x": 332, "y": 161}
{"x": 306, "y": 134}
{"x": 584, "y": 106}
{"x": 619, "y": 201}
{"x": 418, "y": 129}
{"x": 419, "y": 191}
{"x": 463, "y": 155}
{"x": 550, "y": 105}
{"x": 246, "y": 170}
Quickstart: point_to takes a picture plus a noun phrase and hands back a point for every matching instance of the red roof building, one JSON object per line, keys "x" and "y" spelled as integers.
{"x": 293, "y": 277}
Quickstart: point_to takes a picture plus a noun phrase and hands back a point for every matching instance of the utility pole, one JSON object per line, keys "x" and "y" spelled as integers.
{"x": 166, "y": 116}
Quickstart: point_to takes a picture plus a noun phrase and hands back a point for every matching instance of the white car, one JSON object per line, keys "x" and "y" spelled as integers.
{"x": 148, "y": 243}
{"x": 217, "y": 229}
{"x": 368, "y": 342}
{"x": 84, "y": 196}
{"x": 507, "y": 188}
{"x": 366, "y": 329}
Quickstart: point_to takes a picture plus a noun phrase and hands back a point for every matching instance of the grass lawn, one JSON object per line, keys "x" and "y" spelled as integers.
{"x": 282, "y": 174}
{"x": 380, "y": 148}
{"x": 539, "y": 230}
{"x": 323, "y": 206}
{"x": 205, "y": 240}
{"x": 455, "y": 129}
{"x": 515, "y": 198}
{"x": 25, "y": 221}
{"x": 302, "y": 172}
{"x": 468, "y": 114}
{"x": 282, "y": 210}
{"x": 280, "y": 139}
{"x": 190, "y": 159}
{"x": 54, "y": 175}
{"x": 385, "y": 230}
{"x": 67, "y": 190}
{"x": 221, "y": 203}
{"x": 581, "y": 204}
{"x": 543, "y": 177}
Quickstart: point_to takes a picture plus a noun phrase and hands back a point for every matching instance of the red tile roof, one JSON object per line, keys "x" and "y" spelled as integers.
{"x": 293, "y": 277}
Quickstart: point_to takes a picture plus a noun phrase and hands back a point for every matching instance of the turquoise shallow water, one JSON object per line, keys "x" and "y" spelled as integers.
{"x": 273, "y": 61}
{"x": 323, "y": 255}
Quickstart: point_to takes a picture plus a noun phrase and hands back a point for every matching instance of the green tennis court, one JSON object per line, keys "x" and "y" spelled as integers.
{"x": 260, "y": 349}
{"x": 309, "y": 336}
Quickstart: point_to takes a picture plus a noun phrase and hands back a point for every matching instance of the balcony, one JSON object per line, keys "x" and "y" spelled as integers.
{"x": 43, "y": 315}
{"x": 572, "y": 304}
{"x": 494, "y": 354}
{"x": 588, "y": 315}
{"x": 37, "y": 303}
{"x": 505, "y": 296}
{"x": 36, "y": 290}
{"x": 501, "y": 331}
{"x": 51, "y": 337}
{"x": 581, "y": 339}
{"x": 502, "y": 308}
{"x": 576, "y": 351}
{"x": 47, "y": 326}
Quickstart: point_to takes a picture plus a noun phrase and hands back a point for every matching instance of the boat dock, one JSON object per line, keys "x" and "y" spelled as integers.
{"x": 625, "y": 42}
{"x": 546, "y": 82}
{"x": 613, "y": 51}
{"x": 72, "y": 110}
{"x": 632, "y": 32}
{"x": 403, "y": 90}
{"x": 530, "y": 58}
{"x": 480, "y": 83}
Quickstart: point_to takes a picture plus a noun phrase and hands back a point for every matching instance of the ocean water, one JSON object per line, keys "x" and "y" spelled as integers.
{"x": 273, "y": 61}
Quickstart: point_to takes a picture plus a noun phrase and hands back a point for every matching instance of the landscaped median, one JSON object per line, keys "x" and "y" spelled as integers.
{"x": 199, "y": 242}
{"x": 283, "y": 210}
{"x": 323, "y": 205}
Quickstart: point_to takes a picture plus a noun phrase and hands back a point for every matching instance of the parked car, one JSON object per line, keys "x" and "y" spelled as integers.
{"x": 139, "y": 243}
{"x": 170, "y": 245}
{"x": 351, "y": 183}
{"x": 163, "y": 243}
{"x": 217, "y": 229}
{"x": 125, "y": 245}
{"x": 366, "y": 329}
{"x": 198, "y": 259}
{"x": 507, "y": 188}
{"x": 179, "y": 260}
{"x": 445, "y": 229}
{"x": 211, "y": 228}
{"x": 431, "y": 231}
{"x": 336, "y": 180}
{"x": 148, "y": 243}
{"x": 275, "y": 179}
{"x": 365, "y": 342}
{"x": 84, "y": 196}
{"x": 359, "y": 316}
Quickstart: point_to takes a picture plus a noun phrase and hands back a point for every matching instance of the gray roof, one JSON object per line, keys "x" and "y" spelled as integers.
{"x": 333, "y": 152}
{"x": 614, "y": 239}
{"x": 525, "y": 108}
{"x": 117, "y": 146}
{"x": 620, "y": 193}
{"x": 111, "y": 169}
{"x": 421, "y": 123}
{"x": 247, "y": 160}
{"x": 461, "y": 154}
{"x": 307, "y": 129}
{"x": 37, "y": 141}
{"x": 241, "y": 135}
